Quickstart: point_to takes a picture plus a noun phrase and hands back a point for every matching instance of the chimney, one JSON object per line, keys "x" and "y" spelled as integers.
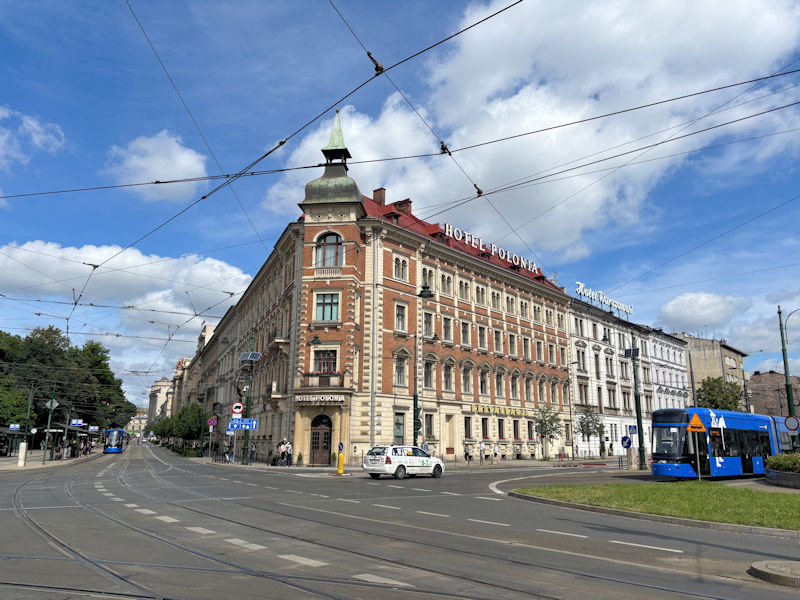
{"x": 404, "y": 206}
{"x": 379, "y": 196}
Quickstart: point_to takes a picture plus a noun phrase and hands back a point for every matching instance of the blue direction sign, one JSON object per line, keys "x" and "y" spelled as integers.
{"x": 242, "y": 424}
{"x": 14, "y": 426}
{"x": 626, "y": 442}
{"x": 341, "y": 446}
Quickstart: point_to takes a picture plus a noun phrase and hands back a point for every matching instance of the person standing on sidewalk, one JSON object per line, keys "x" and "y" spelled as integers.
{"x": 289, "y": 451}
{"x": 466, "y": 454}
{"x": 425, "y": 447}
{"x": 482, "y": 450}
{"x": 495, "y": 452}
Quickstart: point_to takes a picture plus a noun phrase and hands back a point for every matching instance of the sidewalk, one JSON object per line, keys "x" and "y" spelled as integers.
{"x": 34, "y": 461}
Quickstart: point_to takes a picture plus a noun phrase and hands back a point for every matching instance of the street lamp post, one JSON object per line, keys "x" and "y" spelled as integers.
{"x": 744, "y": 388}
{"x": 633, "y": 353}
{"x": 425, "y": 293}
{"x": 782, "y": 325}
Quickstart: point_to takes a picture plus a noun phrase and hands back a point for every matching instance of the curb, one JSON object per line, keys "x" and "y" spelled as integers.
{"x": 766, "y": 531}
{"x": 782, "y": 572}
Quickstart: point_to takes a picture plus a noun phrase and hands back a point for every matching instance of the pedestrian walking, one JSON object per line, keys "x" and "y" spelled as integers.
{"x": 467, "y": 456}
{"x": 252, "y": 451}
{"x": 495, "y": 452}
{"x": 41, "y": 445}
{"x": 289, "y": 451}
{"x": 482, "y": 449}
{"x": 282, "y": 453}
{"x": 425, "y": 446}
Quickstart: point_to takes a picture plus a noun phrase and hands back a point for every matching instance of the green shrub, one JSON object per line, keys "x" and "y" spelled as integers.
{"x": 788, "y": 463}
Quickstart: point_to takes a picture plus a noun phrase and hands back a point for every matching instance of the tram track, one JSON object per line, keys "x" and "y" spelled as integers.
{"x": 483, "y": 554}
{"x": 299, "y": 583}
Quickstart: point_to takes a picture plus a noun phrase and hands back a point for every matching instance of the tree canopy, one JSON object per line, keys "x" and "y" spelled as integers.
{"x": 79, "y": 378}
{"x": 548, "y": 422}
{"x": 717, "y": 393}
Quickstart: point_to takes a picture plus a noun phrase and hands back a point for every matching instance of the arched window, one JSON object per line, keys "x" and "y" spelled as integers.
{"x": 330, "y": 252}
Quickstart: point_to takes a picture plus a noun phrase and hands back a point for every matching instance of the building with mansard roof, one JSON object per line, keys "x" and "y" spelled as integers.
{"x": 359, "y": 305}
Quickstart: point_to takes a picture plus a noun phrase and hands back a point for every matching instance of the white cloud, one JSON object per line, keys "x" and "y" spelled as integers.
{"x": 776, "y": 364}
{"x": 541, "y": 64}
{"x": 157, "y": 158}
{"x": 700, "y": 311}
{"x": 21, "y": 136}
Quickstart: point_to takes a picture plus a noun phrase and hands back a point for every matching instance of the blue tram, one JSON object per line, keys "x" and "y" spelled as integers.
{"x": 113, "y": 440}
{"x": 735, "y": 443}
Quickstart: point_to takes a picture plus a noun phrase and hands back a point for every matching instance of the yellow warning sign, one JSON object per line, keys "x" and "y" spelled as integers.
{"x": 696, "y": 425}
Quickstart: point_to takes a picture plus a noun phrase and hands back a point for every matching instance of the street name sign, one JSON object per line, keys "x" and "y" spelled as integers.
{"x": 243, "y": 424}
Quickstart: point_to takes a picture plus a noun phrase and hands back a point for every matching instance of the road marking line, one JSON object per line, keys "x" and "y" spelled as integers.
{"x": 131, "y": 505}
{"x": 450, "y": 493}
{"x": 309, "y": 562}
{"x": 202, "y": 530}
{"x": 493, "y": 499}
{"x": 245, "y": 544}
{"x": 293, "y": 491}
{"x": 386, "y": 506}
{"x": 107, "y": 494}
{"x": 323, "y": 496}
{"x": 117, "y": 500}
{"x": 253, "y": 484}
{"x": 378, "y": 579}
{"x": 422, "y": 512}
{"x": 234, "y": 481}
{"x": 563, "y": 533}
{"x": 145, "y": 511}
{"x": 370, "y": 483}
{"x": 420, "y": 490}
{"x": 489, "y": 522}
{"x": 399, "y": 487}
{"x": 346, "y": 500}
{"x": 167, "y": 519}
{"x": 269, "y": 487}
{"x": 493, "y": 486}
{"x": 644, "y": 546}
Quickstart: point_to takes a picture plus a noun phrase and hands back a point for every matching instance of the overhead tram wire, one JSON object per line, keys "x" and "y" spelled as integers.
{"x": 594, "y": 162}
{"x": 379, "y": 70}
{"x": 194, "y": 121}
{"x": 252, "y": 164}
{"x": 259, "y": 173}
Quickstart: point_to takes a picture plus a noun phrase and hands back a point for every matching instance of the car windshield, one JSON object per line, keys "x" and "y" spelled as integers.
{"x": 377, "y": 451}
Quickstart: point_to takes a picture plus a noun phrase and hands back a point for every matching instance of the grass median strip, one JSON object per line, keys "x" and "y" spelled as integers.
{"x": 704, "y": 501}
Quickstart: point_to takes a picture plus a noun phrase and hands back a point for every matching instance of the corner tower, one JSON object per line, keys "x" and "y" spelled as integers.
{"x": 334, "y": 196}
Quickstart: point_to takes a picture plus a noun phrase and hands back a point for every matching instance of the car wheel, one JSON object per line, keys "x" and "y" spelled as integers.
{"x": 400, "y": 473}
{"x": 375, "y": 475}
{"x": 437, "y": 471}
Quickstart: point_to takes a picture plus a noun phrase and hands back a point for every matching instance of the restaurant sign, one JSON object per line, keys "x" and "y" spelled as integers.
{"x": 493, "y": 409}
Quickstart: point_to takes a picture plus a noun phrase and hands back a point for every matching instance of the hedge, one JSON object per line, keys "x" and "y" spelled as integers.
{"x": 788, "y": 463}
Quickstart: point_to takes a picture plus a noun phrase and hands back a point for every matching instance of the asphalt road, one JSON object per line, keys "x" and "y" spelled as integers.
{"x": 149, "y": 524}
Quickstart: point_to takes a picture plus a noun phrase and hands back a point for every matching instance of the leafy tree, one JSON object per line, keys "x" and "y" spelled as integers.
{"x": 548, "y": 424}
{"x": 590, "y": 425}
{"x": 717, "y": 393}
{"x": 13, "y": 403}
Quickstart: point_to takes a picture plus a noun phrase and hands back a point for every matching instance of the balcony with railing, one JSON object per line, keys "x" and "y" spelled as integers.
{"x": 325, "y": 380}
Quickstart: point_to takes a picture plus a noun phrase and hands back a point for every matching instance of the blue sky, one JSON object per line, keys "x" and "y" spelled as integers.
{"x": 84, "y": 102}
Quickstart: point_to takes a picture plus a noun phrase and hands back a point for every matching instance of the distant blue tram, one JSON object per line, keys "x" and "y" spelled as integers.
{"x": 113, "y": 440}
{"x": 735, "y": 443}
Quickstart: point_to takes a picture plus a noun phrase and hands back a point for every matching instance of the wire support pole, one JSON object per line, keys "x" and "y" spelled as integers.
{"x": 638, "y": 402}
{"x": 789, "y": 395}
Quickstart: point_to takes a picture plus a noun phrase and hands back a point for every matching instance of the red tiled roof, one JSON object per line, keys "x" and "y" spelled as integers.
{"x": 436, "y": 233}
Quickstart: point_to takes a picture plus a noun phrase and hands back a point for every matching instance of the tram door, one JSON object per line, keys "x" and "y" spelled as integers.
{"x": 699, "y": 440}
{"x": 321, "y": 428}
{"x": 746, "y": 449}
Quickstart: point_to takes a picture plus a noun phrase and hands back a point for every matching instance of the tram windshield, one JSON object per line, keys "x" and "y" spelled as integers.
{"x": 669, "y": 435}
{"x": 113, "y": 439}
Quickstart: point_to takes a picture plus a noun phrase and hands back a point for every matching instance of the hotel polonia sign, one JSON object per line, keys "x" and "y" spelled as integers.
{"x": 461, "y": 235}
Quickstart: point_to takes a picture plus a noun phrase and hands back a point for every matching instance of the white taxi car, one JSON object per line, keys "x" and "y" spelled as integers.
{"x": 401, "y": 461}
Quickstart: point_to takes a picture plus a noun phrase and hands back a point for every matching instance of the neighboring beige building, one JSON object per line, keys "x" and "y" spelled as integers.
{"x": 159, "y": 406}
{"x": 714, "y": 358}
{"x": 137, "y": 424}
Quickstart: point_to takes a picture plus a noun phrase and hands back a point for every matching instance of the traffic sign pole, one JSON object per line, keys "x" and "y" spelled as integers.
{"x": 51, "y": 405}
